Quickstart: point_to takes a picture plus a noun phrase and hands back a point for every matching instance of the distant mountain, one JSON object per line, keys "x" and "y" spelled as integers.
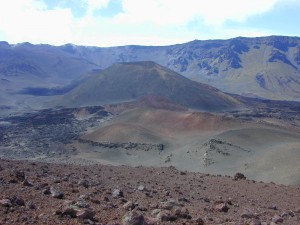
{"x": 43, "y": 66}
{"x": 129, "y": 81}
{"x": 265, "y": 67}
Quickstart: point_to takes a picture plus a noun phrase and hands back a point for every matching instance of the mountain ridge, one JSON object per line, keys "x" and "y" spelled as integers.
{"x": 261, "y": 67}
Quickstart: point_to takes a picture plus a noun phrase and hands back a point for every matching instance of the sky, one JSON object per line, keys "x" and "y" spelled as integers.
{"x": 107, "y": 23}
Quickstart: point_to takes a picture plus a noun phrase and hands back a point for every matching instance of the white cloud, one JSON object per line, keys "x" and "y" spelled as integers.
{"x": 28, "y": 20}
{"x": 213, "y": 12}
{"x": 147, "y": 22}
{"x": 93, "y": 5}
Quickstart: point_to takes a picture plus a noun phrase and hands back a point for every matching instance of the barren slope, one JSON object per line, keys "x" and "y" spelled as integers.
{"x": 129, "y": 81}
{"x": 200, "y": 142}
{"x": 40, "y": 193}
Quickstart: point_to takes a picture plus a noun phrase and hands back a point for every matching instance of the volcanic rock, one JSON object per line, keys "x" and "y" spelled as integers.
{"x": 5, "y": 202}
{"x": 134, "y": 218}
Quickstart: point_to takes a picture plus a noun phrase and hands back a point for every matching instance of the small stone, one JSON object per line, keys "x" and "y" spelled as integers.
{"x": 129, "y": 206}
{"x": 239, "y": 176}
{"x": 69, "y": 211}
{"x": 155, "y": 212}
{"x": 84, "y": 183}
{"x": 182, "y": 213}
{"x": 274, "y": 207}
{"x": 82, "y": 204}
{"x": 287, "y": 214}
{"x": 96, "y": 201}
{"x": 47, "y": 191}
{"x": 255, "y": 222}
{"x": 17, "y": 201}
{"x": 199, "y": 221}
{"x": 117, "y": 193}
{"x": 277, "y": 219}
{"x": 86, "y": 213}
{"x": 168, "y": 205}
{"x": 31, "y": 205}
{"x": 56, "y": 193}
{"x": 183, "y": 200}
{"x": 20, "y": 175}
{"x": 141, "y": 208}
{"x": 247, "y": 214}
{"x": 134, "y": 218}
{"x": 164, "y": 216}
{"x": 221, "y": 207}
{"x": 27, "y": 183}
{"x": 153, "y": 206}
{"x": 5, "y": 203}
{"x": 88, "y": 221}
{"x": 141, "y": 188}
{"x": 151, "y": 221}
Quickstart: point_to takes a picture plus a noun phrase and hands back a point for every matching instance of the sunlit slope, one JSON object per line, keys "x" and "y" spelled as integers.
{"x": 129, "y": 81}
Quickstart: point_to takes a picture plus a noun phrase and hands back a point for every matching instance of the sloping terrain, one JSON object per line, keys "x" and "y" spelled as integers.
{"x": 28, "y": 65}
{"x": 203, "y": 142}
{"x": 265, "y": 67}
{"x": 129, "y": 81}
{"x": 41, "y": 193}
{"x": 29, "y": 71}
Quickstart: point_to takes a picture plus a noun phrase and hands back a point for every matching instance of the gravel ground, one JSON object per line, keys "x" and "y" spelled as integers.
{"x": 48, "y": 193}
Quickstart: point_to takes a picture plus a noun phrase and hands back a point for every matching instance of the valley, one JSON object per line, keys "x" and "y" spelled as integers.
{"x": 250, "y": 141}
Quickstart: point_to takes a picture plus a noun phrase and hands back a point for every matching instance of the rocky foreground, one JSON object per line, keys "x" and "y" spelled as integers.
{"x": 41, "y": 193}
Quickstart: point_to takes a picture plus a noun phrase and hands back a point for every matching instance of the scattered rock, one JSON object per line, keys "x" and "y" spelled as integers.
{"x": 86, "y": 213}
{"x": 20, "y": 175}
{"x": 56, "y": 193}
{"x": 141, "y": 208}
{"x": 17, "y": 201}
{"x": 199, "y": 221}
{"x": 46, "y": 191}
{"x": 287, "y": 214}
{"x": 27, "y": 183}
{"x": 134, "y": 218}
{"x": 182, "y": 213}
{"x": 274, "y": 207}
{"x": 165, "y": 216}
{"x": 239, "y": 176}
{"x": 85, "y": 183}
{"x": 221, "y": 207}
{"x": 129, "y": 206}
{"x": 277, "y": 219}
{"x": 68, "y": 211}
{"x": 183, "y": 200}
{"x": 82, "y": 204}
{"x": 31, "y": 205}
{"x": 141, "y": 188}
{"x": 168, "y": 205}
{"x": 5, "y": 203}
{"x": 247, "y": 214}
{"x": 255, "y": 222}
{"x": 117, "y": 193}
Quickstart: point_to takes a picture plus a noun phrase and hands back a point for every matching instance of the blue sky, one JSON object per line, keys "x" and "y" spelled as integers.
{"x": 144, "y": 22}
